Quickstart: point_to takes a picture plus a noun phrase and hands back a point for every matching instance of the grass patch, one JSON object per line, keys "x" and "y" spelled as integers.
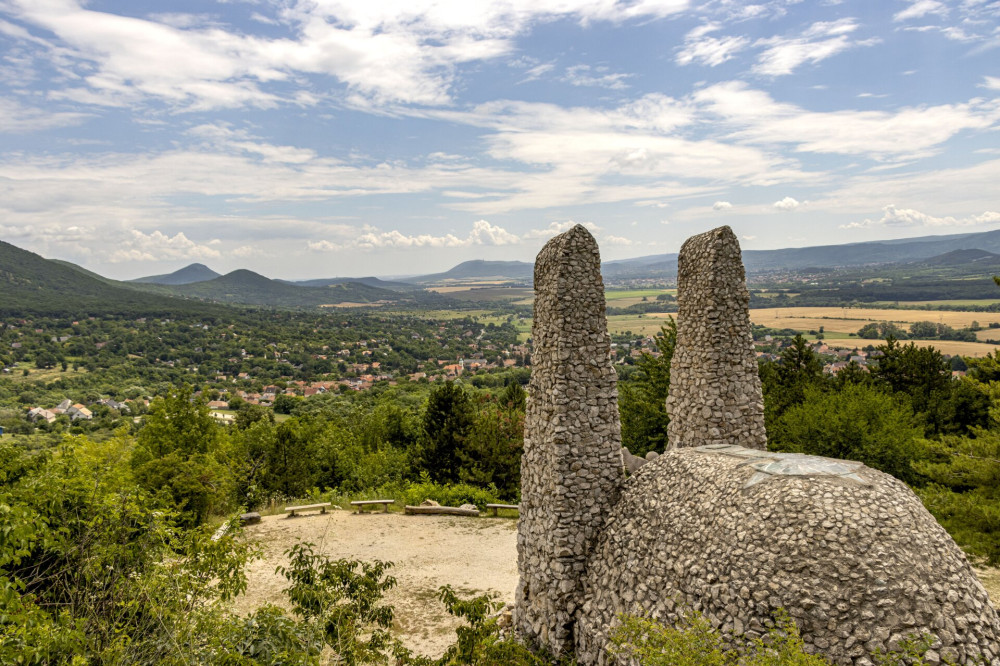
{"x": 41, "y": 375}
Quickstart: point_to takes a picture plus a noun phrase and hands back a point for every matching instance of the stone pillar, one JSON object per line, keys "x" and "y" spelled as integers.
{"x": 571, "y": 470}
{"x": 715, "y": 395}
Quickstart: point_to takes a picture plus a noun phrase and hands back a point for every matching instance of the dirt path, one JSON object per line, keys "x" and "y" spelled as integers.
{"x": 473, "y": 555}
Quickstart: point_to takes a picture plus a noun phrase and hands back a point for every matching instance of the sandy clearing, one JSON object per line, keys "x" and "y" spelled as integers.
{"x": 473, "y": 555}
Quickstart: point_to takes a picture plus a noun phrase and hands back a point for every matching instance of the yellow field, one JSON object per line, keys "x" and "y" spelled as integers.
{"x": 946, "y": 347}
{"x": 838, "y": 322}
{"x": 858, "y": 317}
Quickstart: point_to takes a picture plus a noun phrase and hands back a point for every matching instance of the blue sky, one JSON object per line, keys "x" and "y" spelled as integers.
{"x": 318, "y": 138}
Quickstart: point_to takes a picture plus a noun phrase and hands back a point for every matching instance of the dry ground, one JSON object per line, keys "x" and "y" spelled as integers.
{"x": 473, "y": 555}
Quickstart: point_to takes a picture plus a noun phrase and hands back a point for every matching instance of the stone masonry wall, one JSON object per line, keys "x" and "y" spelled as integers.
{"x": 737, "y": 534}
{"x": 715, "y": 395}
{"x": 572, "y": 466}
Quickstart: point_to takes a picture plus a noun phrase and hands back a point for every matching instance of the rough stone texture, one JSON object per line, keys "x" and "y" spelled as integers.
{"x": 715, "y": 395}
{"x": 731, "y": 531}
{"x": 737, "y": 533}
{"x": 572, "y": 467}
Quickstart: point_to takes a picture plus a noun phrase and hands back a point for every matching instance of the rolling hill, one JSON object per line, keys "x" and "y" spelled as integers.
{"x": 30, "y": 283}
{"x": 186, "y": 275}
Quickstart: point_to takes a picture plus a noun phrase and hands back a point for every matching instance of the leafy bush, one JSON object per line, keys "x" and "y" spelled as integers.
{"x": 694, "y": 642}
{"x": 448, "y": 494}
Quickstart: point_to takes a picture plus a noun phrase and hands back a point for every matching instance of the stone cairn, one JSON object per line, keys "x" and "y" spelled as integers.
{"x": 572, "y": 465}
{"x": 720, "y": 525}
{"x": 715, "y": 395}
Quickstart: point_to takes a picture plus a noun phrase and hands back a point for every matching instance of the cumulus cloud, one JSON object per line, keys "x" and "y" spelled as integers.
{"x": 556, "y": 228}
{"x": 721, "y": 205}
{"x": 908, "y": 217}
{"x": 157, "y": 246}
{"x": 991, "y": 82}
{"x": 482, "y": 233}
{"x": 787, "y": 204}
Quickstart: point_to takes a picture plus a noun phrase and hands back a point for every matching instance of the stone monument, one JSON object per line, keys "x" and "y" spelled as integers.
{"x": 717, "y": 524}
{"x": 572, "y": 462}
{"x": 715, "y": 395}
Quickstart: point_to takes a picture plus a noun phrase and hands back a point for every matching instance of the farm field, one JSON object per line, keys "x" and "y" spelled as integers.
{"x": 858, "y": 317}
{"x": 839, "y": 323}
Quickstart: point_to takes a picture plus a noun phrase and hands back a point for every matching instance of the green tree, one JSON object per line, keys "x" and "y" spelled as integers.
{"x": 919, "y": 372}
{"x": 857, "y": 423}
{"x": 448, "y": 419}
{"x": 964, "y": 493}
{"x": 178, "y": 455}
{"x": 642, "y": 398}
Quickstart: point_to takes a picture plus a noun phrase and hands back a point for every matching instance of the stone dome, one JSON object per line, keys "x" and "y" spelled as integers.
{"x": 737, "y": 533}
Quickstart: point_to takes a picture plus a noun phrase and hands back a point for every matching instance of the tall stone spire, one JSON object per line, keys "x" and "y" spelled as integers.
{"x": 715, "y": 395}
{"x": 571, "y": 471}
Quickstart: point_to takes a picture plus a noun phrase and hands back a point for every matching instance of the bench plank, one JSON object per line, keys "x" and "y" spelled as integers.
{"x": 290, "y": 510}
{"x": 361, "y": 504}
{"x": 439, "y": 510}
{"x": 495, "y": 507}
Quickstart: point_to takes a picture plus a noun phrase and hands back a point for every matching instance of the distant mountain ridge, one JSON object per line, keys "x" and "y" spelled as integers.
{"x": 186, "y": 275}
{"x": 481, "y": 269}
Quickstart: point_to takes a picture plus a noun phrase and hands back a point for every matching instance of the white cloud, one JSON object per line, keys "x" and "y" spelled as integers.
{"x": 787, "y": 204}
{"x": 616, "y": 240}
{"x": 711, "y": 51}
{"x": 991, "y": 82}
{"x": 18, "y": 119}
{"x": 482, "y": 233}
{"x": 157, "y": 246}
{"x": 585, "y": 75}
{"x": 903, "y": 134}
{"x": 919, "y": 9}
{"x": 820, "y": 41}
{"x": 388, "y": 51}
{"x": 908, "y": 217}
{"x": 721, "y": 205}
{"x": 245, "y": 251}
{"x": 556, "y": 228}
{"x": 748, "y": 238}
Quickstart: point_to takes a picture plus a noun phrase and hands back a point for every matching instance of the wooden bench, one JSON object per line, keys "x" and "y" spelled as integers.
{"x": 495, "y": 507}
{"x": 290, "y": 510}
{"x": 361, "y": 504}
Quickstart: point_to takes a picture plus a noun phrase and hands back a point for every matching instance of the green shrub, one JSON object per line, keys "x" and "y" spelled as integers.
{"x": 448, "y": 494}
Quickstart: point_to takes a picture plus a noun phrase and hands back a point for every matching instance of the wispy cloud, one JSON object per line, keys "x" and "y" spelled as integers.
{"x": 16, "y": 118}
{"x": 382, "y": 52}
{"x": 600, "y": 77}
{"x": 701, "y": 47}
{"x": 920, "y": 9}
{"x": 822, "y": 40}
